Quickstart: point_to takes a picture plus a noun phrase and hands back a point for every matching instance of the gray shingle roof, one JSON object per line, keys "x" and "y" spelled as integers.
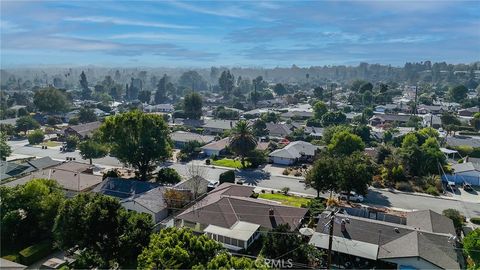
{"x": 151, "y": 200}
{"x": 123, "y": 188}
{"x": 431, "y": 221}
{"x": 183, "y": 136}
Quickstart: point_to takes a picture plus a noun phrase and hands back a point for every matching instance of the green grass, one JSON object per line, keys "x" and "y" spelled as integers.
{"x": 285, "y": 199}
{"x": 51, "y": 143}
{"x": 226, "y": 162}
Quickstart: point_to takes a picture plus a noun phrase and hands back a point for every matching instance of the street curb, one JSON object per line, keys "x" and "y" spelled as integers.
{"x": 420, "y": 194}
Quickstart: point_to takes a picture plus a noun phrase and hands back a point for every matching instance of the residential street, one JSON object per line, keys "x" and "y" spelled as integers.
{"x": 262, "y": 179}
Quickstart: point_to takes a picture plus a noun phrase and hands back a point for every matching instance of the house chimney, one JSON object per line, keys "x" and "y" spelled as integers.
{"x": 271, "y": 213}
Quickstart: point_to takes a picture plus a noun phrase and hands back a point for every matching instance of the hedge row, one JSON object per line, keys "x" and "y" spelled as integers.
{"x": 475, "y": 220}
{"x": 35, "y": 252}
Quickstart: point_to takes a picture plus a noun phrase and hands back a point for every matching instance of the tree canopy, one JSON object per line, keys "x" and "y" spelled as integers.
{"x": 28, "y": 212}
{"x": 100, "y": 225}
{"x": 51, "y": 100}
{"x": 174, "y": 248}
{"x": 471, "y": 244}
{"x": 137, "y": 139}
{"x": 5, "y": 150}
{"x": 345, "y": 143}
{"x": 90, "y": 149}
{"x": 26, "y": 123}
{"x": 192, "y": 105}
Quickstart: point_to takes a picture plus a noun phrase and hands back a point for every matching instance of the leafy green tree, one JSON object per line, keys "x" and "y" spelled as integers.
{"x": 192, "y": 80}
{"x": 319, "y": 109}
{"x": 225, "y": 260}
{"x": 471, "y": 244}
{"x": 345, "y": 143}
{"x": 90, "y": 149}
{"x": 51, "y": 100}
{"x": 242, "y": 140}
{"x": 279, "y": 89}
{"x": 86, "y": 115}
{"x": 137, "y": 139}
{"x": 226, "y": 83}
{"x": 86, "y": 92}
{"x": 26, "y": 123}
{"x": 432, "y": 156}
{"x": 281, "y": 243}
{"x": 259, "y": 128}
{"x": 455, "y": 216}
{"x": 168, "y": 176}
{"x": 368, "y": 86}
{"x": 192, "y": 105}
{"x": 144, "y": 96}
{"x": 257, "y": 158}
{"x": 35, "y": 137}
{"x": 333, "y": 118}
{"x": 270, "y": 117}
{"x": 28, "y": 212}
{"x": 5, "y": 150}
{"x": 161, "y": 93}
{"x": 458, "y": 93}
{"x": 71, "y": 143}
{"x": 174, "y": 248}
{"x": 323, "y": 175}
{"x": 318, "y": 92}
{"x": 356, "y": 172}
{"x": 100, "y": 224}
{"x": 227, "y": 177}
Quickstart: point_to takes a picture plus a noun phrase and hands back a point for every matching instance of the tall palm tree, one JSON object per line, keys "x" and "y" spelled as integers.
{"x": 242, "y": 140}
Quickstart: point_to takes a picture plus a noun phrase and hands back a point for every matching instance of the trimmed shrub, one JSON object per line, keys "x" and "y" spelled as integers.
{"x": 36, "y": 137}
{"x": 12, "y": 258}
{"x": 432, "y": 191}
{"x": 227, "y": 177}
{"x": 286, "y": 172}
{"x": 475, "y": 220}
{"x": 455, "y": 216}
{"x": 254, "y": 195}
{"x": 35, "y": 252}
{"x": 207, "y": 161}
{"x": 114, "y": 173}
{"x": 404, "y": 186}
{"x": 285, "y": 190}
{"x": 168, "y": 176}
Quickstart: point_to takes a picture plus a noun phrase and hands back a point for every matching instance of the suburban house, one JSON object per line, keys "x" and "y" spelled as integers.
{"x": 150, "y": 202}
{"x": 217, "y": 126}
{"x": 123, "y": 188}
{"x": 462, "y": 141}
{"x": 297, "y": 114}
{"x": 382, "y": 119}
{"x": 279, "y": 130}
{"x": 294, "y": 152}
{"x": 181, "y": 138}
{"x": 386, "y": 108}
{"x": 82, "y": 131}
{"x": 469, "y": 112}
{"x": 229, "y": 215}
{"x": 73, "y": 177}
{"x": 215, "y": 148}
{"x": 431, "y": 109}
{"x": 431, "y": 120}
{"x": 153, "y": 201}
{"x": 41, "y": 163}
{"x": 426, "y": 242}
{"x": 9, "y": 169}
{"x": 164, "y": 108}
{"x": 467, "y": 172}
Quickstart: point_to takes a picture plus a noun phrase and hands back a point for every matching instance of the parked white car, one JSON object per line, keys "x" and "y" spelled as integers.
{"x": 354, "y": 197}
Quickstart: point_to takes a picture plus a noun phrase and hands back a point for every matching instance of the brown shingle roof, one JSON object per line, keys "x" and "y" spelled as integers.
{"x": 228, "y": 204}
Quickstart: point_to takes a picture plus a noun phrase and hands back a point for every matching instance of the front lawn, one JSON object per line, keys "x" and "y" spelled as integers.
{"x": 51, "y": 144}
{"x": 232, "y": 163}
{"x": 285, "y": 199}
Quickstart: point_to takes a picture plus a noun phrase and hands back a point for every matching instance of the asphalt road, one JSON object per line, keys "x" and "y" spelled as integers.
{"x": 262, "y": 179}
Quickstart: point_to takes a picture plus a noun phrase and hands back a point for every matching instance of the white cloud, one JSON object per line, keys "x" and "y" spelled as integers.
{"x": 232, "y": 11}
{"x": 113, "y": 20}
{"x": 7, "y": 27}
{"x": 165, "y": 36}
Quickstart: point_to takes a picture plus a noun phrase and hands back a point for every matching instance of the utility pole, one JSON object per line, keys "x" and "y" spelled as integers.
{"x": 331, "y": 222}
{"x": 415, "y": 105}
{"x": 331, "y": 96}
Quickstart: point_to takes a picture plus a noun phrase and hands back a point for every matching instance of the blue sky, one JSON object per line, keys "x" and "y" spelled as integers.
{"x": 237, "y": 33}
